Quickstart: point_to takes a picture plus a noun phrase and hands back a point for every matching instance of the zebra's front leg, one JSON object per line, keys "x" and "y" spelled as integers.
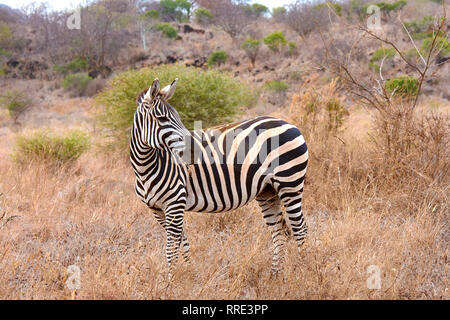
{"x": 160, "y": 217}
{"x": 174, "y": 232}
{"x": 185, "y": 248}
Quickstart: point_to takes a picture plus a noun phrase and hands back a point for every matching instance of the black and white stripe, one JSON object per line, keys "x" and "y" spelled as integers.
{"x": 217, "y": 170}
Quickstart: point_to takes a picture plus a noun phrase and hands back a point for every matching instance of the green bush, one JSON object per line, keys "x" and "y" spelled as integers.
{"x": 275, "y": 41}
{"x": 279, "y": 10}
{"x": 203, "y": 16}
{"x": 40, "y": 146}
{"x": 5, "y": 35}
{"x": 152, "y": 14}
{"x": 388, "y": 7}
{"x": 336, "y": 114}
{"x": 15, "y": 101}
{"x": 379, "y": 54}
{"x": 76, "y": 65}
{"x": 442, "y": 45}
{"x": 167, "y": 30}
{"x": 4, "y": 53}
{"x": 211, "y": 96}
{"x": 292, "y": 47}
{"x": 250, "y": 44}
{"x": 278, "y": 86}
{"x": 421, "y": 25}
{"x": 279, "y": 13}
{"x": 256, "y": 10}
{"x": 217, "y": 58}
{"x": 179, "y": 10}
{"x": 411, "y": 54}
{"x": 383, "y": 53}
{"x": 76, "y": 83}
{"x": 403, "y": 86}
{"x": 335, "y": 6}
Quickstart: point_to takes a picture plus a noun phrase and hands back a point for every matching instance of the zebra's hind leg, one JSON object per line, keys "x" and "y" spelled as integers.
{"x": 271, "y": 208}
{"x": 292, "y": 201}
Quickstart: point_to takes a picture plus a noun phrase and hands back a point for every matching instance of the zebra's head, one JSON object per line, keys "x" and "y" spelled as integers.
{"x": 158, "y": 124}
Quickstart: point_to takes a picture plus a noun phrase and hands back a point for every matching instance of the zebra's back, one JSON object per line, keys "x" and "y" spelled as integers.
{"x": 230, "y": 165}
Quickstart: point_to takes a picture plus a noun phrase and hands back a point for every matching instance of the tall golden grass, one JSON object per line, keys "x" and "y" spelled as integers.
{"x": 367, "y": 202}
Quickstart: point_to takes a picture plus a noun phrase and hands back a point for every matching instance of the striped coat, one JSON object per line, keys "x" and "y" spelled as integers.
{"x": 217, "y": 170}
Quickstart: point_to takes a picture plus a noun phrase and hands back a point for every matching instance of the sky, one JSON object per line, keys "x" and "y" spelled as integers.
{"x": 60, "y": 4}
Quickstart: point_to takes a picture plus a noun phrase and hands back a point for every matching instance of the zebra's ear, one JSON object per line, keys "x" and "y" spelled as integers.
{"x": 169, "y": 90}
{"x": 152, "y": 91}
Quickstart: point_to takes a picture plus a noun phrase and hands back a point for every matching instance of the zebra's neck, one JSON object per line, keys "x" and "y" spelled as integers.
{"x": 157, "y": 173}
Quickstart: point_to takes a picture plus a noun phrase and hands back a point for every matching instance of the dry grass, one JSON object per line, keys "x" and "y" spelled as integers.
{"x": 360, "y": 212}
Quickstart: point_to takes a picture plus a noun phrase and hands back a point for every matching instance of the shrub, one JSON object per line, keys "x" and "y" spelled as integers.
{"x": 275, "y": 41}
{"x": 319, "y": 112}
{"x": 58, "y": 150}
{"x": 251, "y": 48}
{"x": 217, "y": 58}
{"x": 387, "y": 7}
{"x": 167, "y": 30}
{"x": 152, "y": 14}
{"x": 411, "y": 54}
{"x": 5, "y": 35}
{"x": 442, "y": 46}
{"x": 421, "y": 25}
{"x": 279, "y": 86}
{"x": 15, "y": 101}
{"x": 404, "y": 86}
{"x": 279, "y": 13}
{"x": 335, "y": 6}
{"x": 76, "y": 83}
{"x": 4, "y": 53}
{"x": 256, "y": 10}
{"x": 203, "y": 16}
{"x": 211, "y": 96}
{"x": 382, "y": 53}
{"x": 292, "y": 46}
{"x": 379, "y": 54}
{"x": 95, "y": 86}
{"x": 336, "y": 113}
{"x": 76, "y": 65}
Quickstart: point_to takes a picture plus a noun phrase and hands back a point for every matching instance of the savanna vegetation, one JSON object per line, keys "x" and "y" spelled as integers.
{"x": 372, "y": 103}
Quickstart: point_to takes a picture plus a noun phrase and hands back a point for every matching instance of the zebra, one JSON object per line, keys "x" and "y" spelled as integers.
{"x": 229, "y": 171}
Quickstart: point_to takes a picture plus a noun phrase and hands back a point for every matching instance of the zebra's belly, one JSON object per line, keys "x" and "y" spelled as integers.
{"x": 223, "y": 187}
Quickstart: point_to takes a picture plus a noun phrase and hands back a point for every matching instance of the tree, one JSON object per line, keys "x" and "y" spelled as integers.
{"x": 256, "y": 10}
{"x": 175, "y": 10}
{"x": 228, "y": 15}
{"x": 251, "y": 48}
{"x": 203, "y": 16}
{"x": 304, "y": 17}
{"x": 146, "y": 22}
{"x": 275, "y": 41}
{"x": 279, "y": 13}
{"x": 103, "y": 32}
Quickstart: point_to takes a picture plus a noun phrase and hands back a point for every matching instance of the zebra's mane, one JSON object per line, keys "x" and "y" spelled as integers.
{"x": 140, "y": 97}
